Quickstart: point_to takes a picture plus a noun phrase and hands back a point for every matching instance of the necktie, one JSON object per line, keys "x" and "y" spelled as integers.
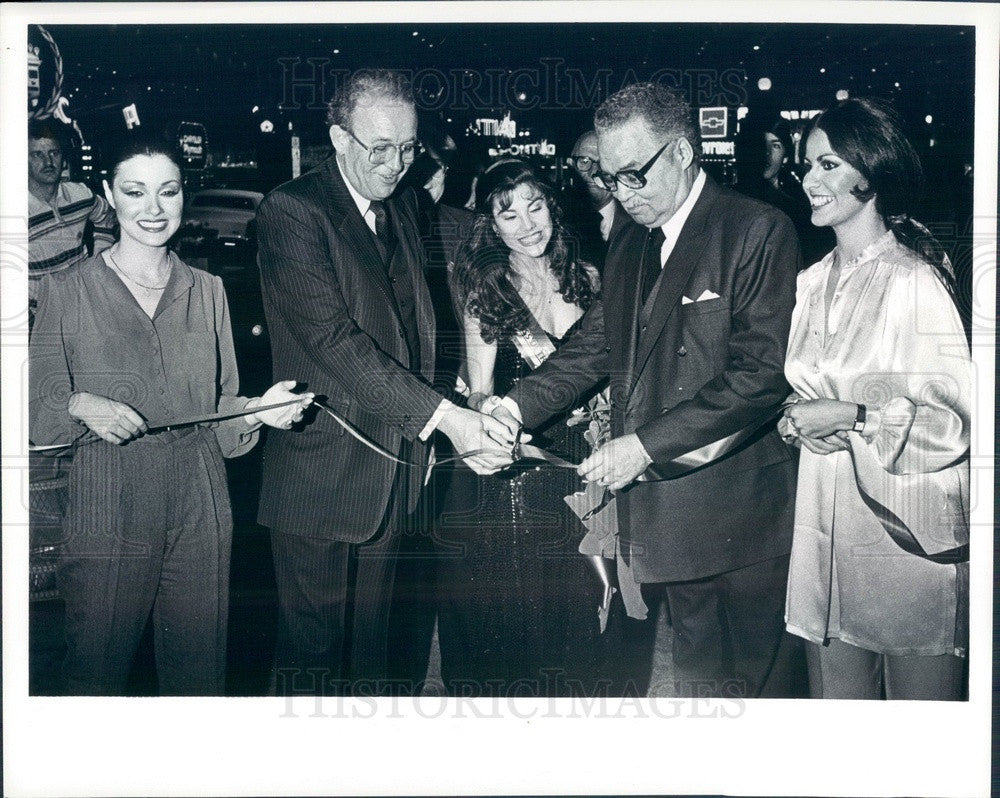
{"x": 383, "y": 230}
{"x": 651, "y": 261}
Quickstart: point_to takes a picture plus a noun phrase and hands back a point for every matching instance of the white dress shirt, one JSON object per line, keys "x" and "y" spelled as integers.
{"x": 672, "y": 228}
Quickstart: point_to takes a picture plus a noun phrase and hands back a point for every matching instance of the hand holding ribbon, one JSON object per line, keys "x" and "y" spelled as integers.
{"x": 616, "y": 464}
{"x": 485, "y": 442}
{"x": 114, "y": 422}
{"x": 284, "y": 415}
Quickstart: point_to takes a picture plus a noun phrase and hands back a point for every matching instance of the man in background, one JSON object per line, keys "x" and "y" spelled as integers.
{"x": 59, "y": 211}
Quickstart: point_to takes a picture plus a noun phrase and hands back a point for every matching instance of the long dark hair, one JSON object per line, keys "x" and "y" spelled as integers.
{"x": 868, "y": 134}
{"x": 482, "y": 269}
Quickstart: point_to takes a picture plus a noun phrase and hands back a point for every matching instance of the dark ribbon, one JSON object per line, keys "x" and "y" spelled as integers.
{"x": 900, "y": 533}
{"x": 165, "y": 426}
{"x": 896, "y": 528}
{"x": 697, "y": 458}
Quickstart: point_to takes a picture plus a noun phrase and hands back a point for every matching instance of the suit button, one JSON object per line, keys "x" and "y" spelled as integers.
{"x": 644, "y": 328}
{"x": 607, "y": 349}
{"x": 682, "y": 351}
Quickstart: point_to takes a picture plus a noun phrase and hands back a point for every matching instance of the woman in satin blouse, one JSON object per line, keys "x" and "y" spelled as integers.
{"x": 125, "y": 343}
{"x": 880, "y": 366}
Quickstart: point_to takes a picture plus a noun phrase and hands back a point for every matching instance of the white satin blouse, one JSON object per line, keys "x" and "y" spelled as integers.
{"x": 894, "y": 342}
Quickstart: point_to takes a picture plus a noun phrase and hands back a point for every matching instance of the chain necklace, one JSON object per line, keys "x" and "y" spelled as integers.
{"x": 132, "y": 279}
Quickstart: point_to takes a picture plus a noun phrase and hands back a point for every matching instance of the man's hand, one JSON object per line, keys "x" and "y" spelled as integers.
{"x": 112, "y": 421}
{"x": 498, "y": 408}
{"x": 280, "y": 417}
{"x": 616, "y": 464}
{"x": 470, "y": 431}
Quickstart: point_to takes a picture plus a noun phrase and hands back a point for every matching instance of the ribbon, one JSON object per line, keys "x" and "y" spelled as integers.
{"x": 696, "y": 458}
{"x": 351, "y": 430}
{"x": 900, "y": 533}
{"x": 165, "y": 426}
{"x": 893, "y": 525}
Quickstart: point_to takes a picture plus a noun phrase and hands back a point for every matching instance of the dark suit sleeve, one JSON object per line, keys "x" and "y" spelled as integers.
{"x": 300, "y": 283}
{"x": 752, "y": 384}
{"x": 579, "y": 365}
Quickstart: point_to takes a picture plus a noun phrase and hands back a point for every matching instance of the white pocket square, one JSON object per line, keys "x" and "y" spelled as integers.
{"x": 706, "y": 294}
{"x": 686, "y": 300}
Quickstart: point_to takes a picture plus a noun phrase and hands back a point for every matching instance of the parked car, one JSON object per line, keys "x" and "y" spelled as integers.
{"x": 221, "y": 218}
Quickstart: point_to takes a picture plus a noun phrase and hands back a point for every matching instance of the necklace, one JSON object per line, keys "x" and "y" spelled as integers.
{"x": 132, "y": 279}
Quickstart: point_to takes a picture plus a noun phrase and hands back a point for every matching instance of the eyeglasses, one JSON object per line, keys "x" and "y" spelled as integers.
{"x": 383, "y": 153}
{"x": 584, "y": 162}
{"x": 630, "y": 178}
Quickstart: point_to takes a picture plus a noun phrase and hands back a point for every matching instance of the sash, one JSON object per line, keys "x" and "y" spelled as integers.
{"x": 891, "y": 521}
{"x": 867, "y": 479}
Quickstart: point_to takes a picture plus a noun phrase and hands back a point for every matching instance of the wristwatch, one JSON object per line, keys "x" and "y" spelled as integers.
{"x": 859, "y": 419}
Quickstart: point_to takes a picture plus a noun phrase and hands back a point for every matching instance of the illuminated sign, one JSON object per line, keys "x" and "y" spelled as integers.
{"x": 131, "y": 114}
{"x": 718, "y": 148}
{"x": 504, "y": 128}
{"x": 713, "y": 122}
{"x": 542, "y": 147}
{"x": 193, "y": 143}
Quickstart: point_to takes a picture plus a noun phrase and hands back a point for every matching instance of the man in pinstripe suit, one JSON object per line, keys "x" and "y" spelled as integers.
{"x": 349, "y": 310}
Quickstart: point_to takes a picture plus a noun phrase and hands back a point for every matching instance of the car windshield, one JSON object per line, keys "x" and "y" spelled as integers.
{"x": 232, "y": 202}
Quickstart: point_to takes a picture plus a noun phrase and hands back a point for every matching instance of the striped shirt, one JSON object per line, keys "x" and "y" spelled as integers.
{"x": 55, "y": 230}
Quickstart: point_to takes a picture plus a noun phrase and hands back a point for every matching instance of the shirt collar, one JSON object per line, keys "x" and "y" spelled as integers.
{"x": 673, "y": 225}
{"x": 363, "y": 203}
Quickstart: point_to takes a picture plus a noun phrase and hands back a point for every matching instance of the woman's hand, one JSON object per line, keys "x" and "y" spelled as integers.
{"x": 828, "y": 445}
{"x": 280, "y": 417}
{"x": 114, "y": 422}
{"x": 819, "y": 418}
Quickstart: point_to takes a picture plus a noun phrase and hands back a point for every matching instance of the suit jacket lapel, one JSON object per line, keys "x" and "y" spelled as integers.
{"x": 347, "y": 220}
{"x": 630, "y": 242}
{"x": 407, "y": 253}
{"x": 676, "y": 273}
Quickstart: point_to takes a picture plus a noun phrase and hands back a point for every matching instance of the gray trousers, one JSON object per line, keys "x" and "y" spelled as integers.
{"x": 148, "y": 532}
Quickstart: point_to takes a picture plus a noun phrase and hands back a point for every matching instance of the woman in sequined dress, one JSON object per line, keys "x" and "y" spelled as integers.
{"x": 518, "y": 611}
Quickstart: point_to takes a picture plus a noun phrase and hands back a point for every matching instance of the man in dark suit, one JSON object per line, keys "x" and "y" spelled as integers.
{"x": 348, "y": 310}
{"x": 692, "y": 329}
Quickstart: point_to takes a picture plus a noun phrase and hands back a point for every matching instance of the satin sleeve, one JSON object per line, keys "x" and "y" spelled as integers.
{"x": 921, "y": 414}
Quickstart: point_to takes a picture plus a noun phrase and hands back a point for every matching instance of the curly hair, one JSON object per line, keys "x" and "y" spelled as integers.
{"x": 362, "y": 86}
{"x": 664, "y": 110}
{"x": 482, "y": 275}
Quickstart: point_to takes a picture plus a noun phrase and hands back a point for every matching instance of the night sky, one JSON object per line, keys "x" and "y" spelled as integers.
{"x": 551, "y": 76}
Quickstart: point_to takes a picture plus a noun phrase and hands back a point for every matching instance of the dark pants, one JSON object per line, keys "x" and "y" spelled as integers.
{"x": 333, "y": 612}
{"x": 148, "y": 531}
{"x": 334, "y": 600}
{"x": 729, "y": 638}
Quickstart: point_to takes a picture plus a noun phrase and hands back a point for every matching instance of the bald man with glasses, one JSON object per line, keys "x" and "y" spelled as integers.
{"x": 692, "y": 329}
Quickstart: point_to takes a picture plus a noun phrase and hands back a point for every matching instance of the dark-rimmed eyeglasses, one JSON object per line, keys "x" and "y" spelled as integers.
{"x": 584, "y": 162}
{"x": 630, "y": 178}
{"x": 383, "y": 153}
